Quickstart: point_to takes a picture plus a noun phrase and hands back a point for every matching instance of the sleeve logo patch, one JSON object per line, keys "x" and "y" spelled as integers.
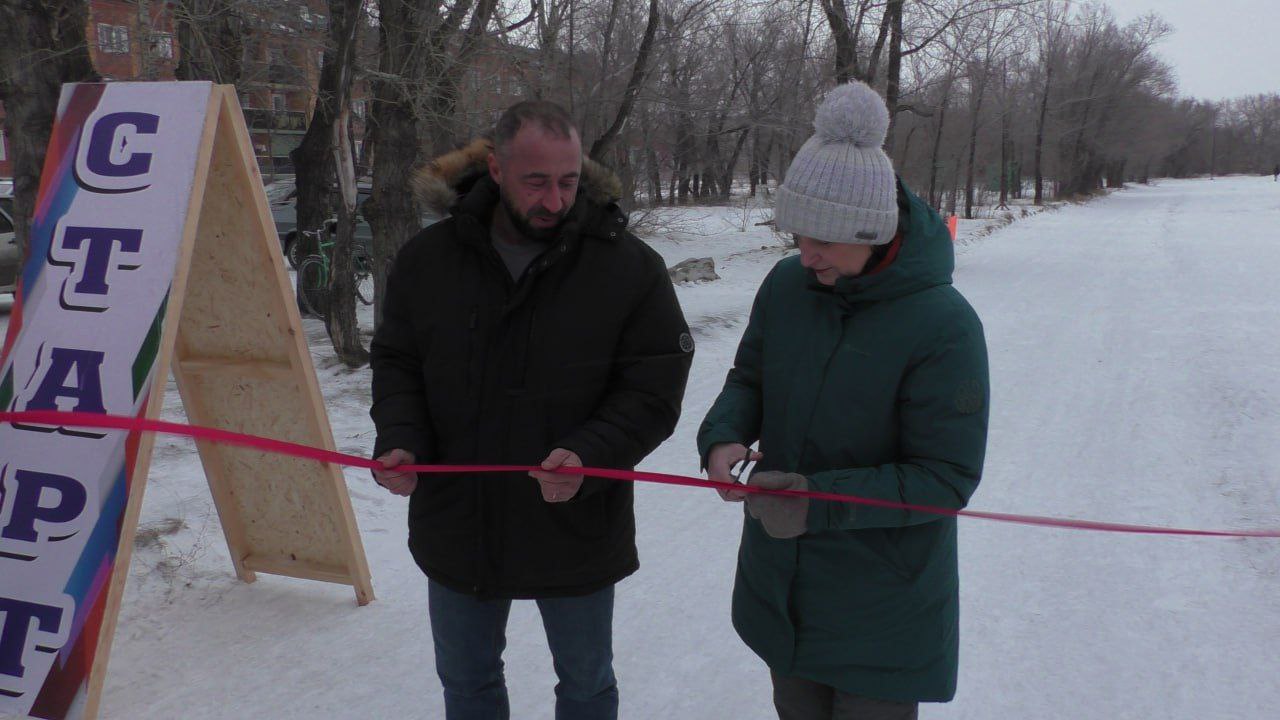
{"x": 686, "y": 342}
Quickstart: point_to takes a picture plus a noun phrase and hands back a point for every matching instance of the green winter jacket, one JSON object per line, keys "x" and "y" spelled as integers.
{"x": 876, "y": 387}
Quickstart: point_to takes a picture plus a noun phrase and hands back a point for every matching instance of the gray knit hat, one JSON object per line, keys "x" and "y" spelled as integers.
{"x": 840, "y": 186}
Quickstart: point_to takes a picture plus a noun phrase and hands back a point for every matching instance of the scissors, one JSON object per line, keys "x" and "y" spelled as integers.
{"x": 737, "y": 469}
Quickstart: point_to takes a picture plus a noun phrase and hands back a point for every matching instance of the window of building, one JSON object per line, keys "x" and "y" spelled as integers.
{"x": 358, "y": 108}
{"x": 162, "y": 45}
{"x": 275, "y": 56}
{"x": 244, "y": 100}
{"x": 277, "y": 102}
{"x": 113, "y": 38}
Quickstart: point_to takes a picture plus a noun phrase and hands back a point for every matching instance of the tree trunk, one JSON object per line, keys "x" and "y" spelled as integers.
{"x": 343, "y": 326}
{"x": 976, "y": 100}
{"x": 873, "y": 62}
{"x": 418, "y": 60}
{"x": 392, "y": 211}
{"x": 711, "y": 158}
{"x": 726, "y": 179}
{"x": 324, "y": 157}
{"x": 934, "y": 199}
{"x": 1004, "y": 137}
{"x": 893, "y": 75}
{"x": 1076, "y": 173}
{"x": 210, "y": 40}
{"x": 765, "y": 164}
{"x": 902, "y": 159}
{"x": 592, "y": 110}
{"x": 953, "y": 199}
{"x": 313, "y": 165}
{"x": 42, "y": 46}
{"x": 146, "y": 63}
{"x": 344, "y": 329}
{"x": 1015, "y": 172}
{"x": 653, "y": 169}
{"x": 683, "y": 157}
{"x": 753, "y": 170}
{"x": 624, "y": 168}
{"x": 753, "y": 177}
{"x": 846, "y": 40}
{"x": 638, "y": 70}
{"x": 1044, "y": 111}
{"x": 655, "y": 176}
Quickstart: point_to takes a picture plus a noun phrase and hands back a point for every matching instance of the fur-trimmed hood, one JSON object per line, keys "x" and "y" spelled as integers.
{"x": 440, "y": 183}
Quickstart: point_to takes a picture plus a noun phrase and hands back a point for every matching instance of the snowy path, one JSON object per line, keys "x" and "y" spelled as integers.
{"x": 1136, "y": 375}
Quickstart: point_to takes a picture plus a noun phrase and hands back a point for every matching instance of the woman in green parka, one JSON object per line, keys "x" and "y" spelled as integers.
{"x": 862, "y": 372}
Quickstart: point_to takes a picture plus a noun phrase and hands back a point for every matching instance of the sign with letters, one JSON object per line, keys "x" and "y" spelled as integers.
{"x": 151, "y": 250}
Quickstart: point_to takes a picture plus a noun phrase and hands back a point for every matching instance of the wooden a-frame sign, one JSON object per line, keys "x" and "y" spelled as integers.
{"x": 153, "y": 250}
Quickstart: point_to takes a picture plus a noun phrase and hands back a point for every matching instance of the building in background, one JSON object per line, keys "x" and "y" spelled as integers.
{"x": 284, "y": 50}
{"x": 131, "y": 40}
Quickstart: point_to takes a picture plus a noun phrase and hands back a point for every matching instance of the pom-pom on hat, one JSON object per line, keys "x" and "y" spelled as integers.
{"x": 841, "y": 186}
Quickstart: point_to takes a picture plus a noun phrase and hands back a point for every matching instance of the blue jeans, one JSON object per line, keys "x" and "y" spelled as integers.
{"x": 470, "y": 635}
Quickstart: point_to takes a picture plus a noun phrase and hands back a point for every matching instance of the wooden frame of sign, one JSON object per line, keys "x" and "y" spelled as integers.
{"x": 234, "y": 334}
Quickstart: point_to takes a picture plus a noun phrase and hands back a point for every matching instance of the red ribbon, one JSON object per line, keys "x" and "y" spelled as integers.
{"x": 227, "y": 437}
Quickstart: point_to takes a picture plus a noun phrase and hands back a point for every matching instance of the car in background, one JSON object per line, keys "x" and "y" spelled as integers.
{"x": 10, "y": 253}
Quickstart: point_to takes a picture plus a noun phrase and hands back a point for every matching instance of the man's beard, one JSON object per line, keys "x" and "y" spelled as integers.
{"x": 527, "y": 229}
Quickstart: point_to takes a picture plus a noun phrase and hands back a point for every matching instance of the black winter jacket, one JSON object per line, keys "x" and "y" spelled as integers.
{"x": 589, "y": 351}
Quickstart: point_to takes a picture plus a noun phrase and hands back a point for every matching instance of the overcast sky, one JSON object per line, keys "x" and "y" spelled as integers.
{"x": 1219, "y": 48}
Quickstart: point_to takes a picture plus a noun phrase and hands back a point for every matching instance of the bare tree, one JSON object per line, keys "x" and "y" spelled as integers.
{"x": 42, "y": 46}
{"x": 323, "y": 160}
{"x": 1049, "y": 40}
{"x": 210, "y": 39}
{"x": 944, "y": 101}
{"x": 992, "y": 34}
{"x": 424, "y": 49}
{"x": 638, "y": 70}
{"x": 1107, "y": 65}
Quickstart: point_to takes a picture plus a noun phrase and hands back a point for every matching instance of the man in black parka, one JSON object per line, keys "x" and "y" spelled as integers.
{"x": 527, "y": 328}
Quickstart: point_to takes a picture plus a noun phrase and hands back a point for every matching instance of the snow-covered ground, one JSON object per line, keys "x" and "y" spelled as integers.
{"x": 1136, "y": 378}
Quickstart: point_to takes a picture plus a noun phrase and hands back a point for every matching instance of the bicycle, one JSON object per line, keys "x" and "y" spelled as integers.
{"x": 313, "y": 276}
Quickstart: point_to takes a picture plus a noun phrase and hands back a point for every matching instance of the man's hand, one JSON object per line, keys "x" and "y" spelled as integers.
{"x": 782, "y": 517}
{"x": 558, "y": 487}
{"x": 397, "y": 481}
{"x": 720, "y": 463}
